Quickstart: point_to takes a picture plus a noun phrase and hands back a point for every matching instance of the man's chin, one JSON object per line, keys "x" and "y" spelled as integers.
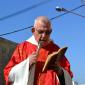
{"x": 45, "y": 43}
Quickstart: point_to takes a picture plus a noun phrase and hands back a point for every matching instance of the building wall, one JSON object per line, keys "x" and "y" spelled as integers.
{"x": 6, "y": 49}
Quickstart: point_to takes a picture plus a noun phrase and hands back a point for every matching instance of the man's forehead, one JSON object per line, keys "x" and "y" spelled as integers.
{"x": 42, "y": 24}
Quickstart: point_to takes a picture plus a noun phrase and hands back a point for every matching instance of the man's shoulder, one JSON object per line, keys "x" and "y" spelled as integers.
{"x": 25, "y": 44}
{"x": 54, "y": 45}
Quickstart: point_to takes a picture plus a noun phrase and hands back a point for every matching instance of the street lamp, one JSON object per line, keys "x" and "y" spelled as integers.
{"x": 60, "y": 9}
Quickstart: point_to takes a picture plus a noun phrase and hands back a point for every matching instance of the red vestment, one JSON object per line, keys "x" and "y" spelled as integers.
{"x": 48, "y": 77}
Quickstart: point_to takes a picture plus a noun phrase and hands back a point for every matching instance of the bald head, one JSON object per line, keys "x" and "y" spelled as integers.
{"x": 42, "y": 21}
{"x": 42, "y": 29}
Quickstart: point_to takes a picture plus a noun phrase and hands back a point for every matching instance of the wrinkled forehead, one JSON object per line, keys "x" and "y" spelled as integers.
{"x": 42, "y": 22}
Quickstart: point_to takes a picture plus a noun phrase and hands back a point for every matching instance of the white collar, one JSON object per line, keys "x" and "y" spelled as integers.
{"x": 32, "y": 40}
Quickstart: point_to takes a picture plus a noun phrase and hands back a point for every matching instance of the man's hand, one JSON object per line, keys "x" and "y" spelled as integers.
{"x": 57, "y": 68}
{"x": 32, "y": 58}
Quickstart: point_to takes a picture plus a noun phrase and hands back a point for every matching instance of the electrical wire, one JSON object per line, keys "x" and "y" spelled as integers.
{"x": 24, "y": 10}
{"x": 16, "y": 31}
{"x": 50, "y": 19}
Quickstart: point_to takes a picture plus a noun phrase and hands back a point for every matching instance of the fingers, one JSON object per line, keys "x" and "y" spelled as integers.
{"x": 32, "y": 58}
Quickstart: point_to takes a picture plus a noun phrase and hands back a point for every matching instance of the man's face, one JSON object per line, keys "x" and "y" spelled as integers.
{"x": 42, "y": 32}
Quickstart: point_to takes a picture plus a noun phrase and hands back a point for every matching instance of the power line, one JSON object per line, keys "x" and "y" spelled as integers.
{"x": 50, "y": 19}
{"x": 70, "y": 12}
{"x": 16, "y": 31}
{"x": 24, "y": 10}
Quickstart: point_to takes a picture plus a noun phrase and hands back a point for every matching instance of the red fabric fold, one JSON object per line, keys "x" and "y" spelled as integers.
{"x": 51, "y": 78}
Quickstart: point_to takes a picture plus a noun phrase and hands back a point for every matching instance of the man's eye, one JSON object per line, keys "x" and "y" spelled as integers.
{"x": 40, "y": 32}
{"x": 48, "y": 32}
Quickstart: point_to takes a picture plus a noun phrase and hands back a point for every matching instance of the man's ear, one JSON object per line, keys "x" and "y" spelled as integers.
{"x": 33, "y": 30}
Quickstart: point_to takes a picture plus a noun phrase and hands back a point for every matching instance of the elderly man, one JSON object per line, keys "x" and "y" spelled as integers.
{"x": 36, "y": 50}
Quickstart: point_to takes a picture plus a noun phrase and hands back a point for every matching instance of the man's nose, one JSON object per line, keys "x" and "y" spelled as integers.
{"x": 43, "y": 34}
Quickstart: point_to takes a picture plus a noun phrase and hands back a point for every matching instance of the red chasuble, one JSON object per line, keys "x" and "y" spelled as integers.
{"x": 48, "y": 77}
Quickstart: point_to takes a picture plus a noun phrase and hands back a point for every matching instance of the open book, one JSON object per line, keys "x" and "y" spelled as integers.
{"x": 55, "y": 56}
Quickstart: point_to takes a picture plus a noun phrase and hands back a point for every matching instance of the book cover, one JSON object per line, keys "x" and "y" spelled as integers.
{"x": 55, "y": 56}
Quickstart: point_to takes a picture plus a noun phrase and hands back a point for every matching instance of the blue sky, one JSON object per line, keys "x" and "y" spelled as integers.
{"x": 68, "y": 30}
